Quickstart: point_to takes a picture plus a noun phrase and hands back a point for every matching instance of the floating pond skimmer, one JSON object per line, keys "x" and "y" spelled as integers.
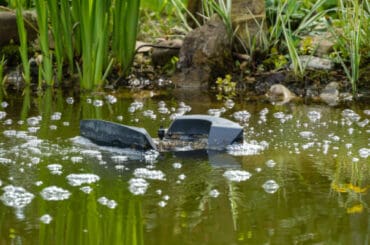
{"x": 195, "y": 131}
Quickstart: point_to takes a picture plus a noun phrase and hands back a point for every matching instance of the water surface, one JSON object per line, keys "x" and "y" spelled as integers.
{"x": 301, "y": 177}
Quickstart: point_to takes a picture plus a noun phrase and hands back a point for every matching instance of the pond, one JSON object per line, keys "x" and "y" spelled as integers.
{"x": 302, "y": 176}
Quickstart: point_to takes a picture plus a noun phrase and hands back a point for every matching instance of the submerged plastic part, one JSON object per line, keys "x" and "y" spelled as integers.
{"x": 220, "y": 131}
{"x": 113, "y": 134}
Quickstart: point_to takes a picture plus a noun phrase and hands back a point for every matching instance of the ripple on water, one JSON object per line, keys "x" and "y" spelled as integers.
{"x": 80, "y": 179}
{"x": 54, "y": 193}
{"x": 149, "y": 174}
{"x": 306, "y": 134}
{"x": 237, "y": 175}
{"x": 16, "y": 197}
{"x": 138, "y": 186}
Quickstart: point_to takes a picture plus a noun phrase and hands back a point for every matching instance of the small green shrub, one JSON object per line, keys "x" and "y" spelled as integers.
{"x": 226, "y": 88}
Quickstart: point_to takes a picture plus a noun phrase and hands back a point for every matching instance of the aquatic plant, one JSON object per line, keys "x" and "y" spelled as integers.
{"x": 23, "y": 48}
{"x": 225, "y": 87}
{"x": 42, "y": 20}
{"x": 125, "y": 16}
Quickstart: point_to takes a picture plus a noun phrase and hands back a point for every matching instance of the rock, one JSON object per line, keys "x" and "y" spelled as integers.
{"x": 9, "y": 29}
{"x": 280, "y": 94}
{"x": 321, "y": 44}
{"x": 205, "y": 52}
{"x": 330, "y": 94}
{"x": 315, "y": 63}
{"x": 162, "y": 55}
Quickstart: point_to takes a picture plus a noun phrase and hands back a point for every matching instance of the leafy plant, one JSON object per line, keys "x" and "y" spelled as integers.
{"x": 354, "y": 23}
{"x": 226, "y": 87}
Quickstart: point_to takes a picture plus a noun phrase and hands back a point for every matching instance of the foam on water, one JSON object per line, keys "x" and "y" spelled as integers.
{"x": 241, "y": 116}
{"x": 2, "y": 115}
{"x": 55, "y": 169}
{"x": 54, "y": 193}
{"x": 46, "y": 219}
{"x": 111, "y": 99}
{"x": 80, "y": 179}
{"x": 237, "y": 175}
{"x": 307, "y": 134}
{"x": 119, "y": 159}
{"x": 86, "y": 189}
{"x": 16, "y": 197}
{"x": 149, "y": 174}
{"x": 138, "y": 186}
{"x": 108, "y": 203}
{"x": 314, "y": 116}
{"x": 214, "y": 193}
{"x": 246, "y": 149}
{"x": 5, "y": 160}
{"x": 4, "y": 104}
{"x": 92, "y": 153}
{"x": 364, "y": 152}
{"x": 270, "y": 186}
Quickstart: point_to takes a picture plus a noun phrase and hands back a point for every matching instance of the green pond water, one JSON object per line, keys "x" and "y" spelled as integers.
{"x": 301, "y": 177}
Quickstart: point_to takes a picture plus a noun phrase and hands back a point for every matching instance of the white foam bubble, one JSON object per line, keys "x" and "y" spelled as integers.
{"x": 46, "y": 219}
{"x": 270, "y": 186}
{"x": 237, "y": 175}
{"x": 149, "y": 174}
{"x": 80, "y": 179}
{"x": 54, "y": 193}
{"x": 246, "y": 149}
{"x": 138, "y": 186}
{"x": 16, "y": 197}
{"x": 55, "y": 168}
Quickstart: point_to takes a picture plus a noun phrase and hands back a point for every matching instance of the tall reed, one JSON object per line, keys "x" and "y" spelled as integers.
{"x": 23, "y": 48}
{"x": 54, "y": 9}
{"x": 43, "y": 20}
{"x": 125, "y": 24}
{"x": 2, "y": 63}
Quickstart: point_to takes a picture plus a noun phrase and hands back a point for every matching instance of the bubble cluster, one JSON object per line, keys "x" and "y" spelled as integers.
{"x": 138, "y": 186}
{"x": 237, "y": 175}
{"x": 54, "y": 193}
{"x": 81, "y": 179}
